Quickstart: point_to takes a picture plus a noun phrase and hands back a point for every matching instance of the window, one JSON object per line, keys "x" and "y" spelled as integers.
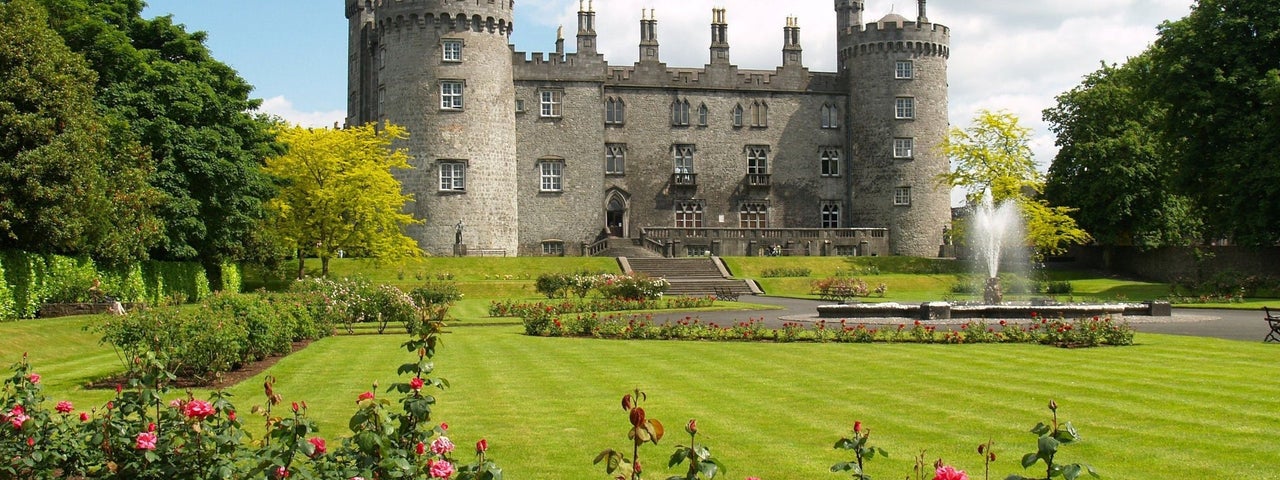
{"x": 902, "y": 196}
{"x": 519, "y": 106}
{"x": 452, "y": 50}
{"x": 703, "y": 114}
{"x": 683, "y": 156}
{"x": 753, "y": 215}
{"x": 830, "y": 215}
{"x": 453, "y": 176}
{"x": 450, "y": 95}
{"x": 553, "y": 248}
{"x": 904, "y": 107}
{"x": 830, "y": 116}
{"x": 830, "y": 162}
{"x": 757, "y": 160}
{"x": 382, "y": 57}
{"x": 615, "y": 159}
{"x": 551, "y": 100}
{"x": 688, "y": 214}
{"x": 551, "y": 175}
{"x": 615, "y": 112}
{"x": 904, "y": 69}
{"x": 759, "y": 114}
{"x": 737, "y": 115}
{"x": 903, "y": 147}
{"x": 680, "y": 113}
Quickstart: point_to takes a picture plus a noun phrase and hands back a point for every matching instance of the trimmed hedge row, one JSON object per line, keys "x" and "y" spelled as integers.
{"x": 28, "y": 280}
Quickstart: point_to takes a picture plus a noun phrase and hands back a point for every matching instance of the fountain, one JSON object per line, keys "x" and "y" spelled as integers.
{"x": 992, "y": 226}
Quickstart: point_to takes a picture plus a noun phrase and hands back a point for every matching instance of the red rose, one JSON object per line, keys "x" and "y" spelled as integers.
{"x": 415, "y": 383}
{"x": 319, "y": 444}
{"x": 482, "y": 446}
{"x": 364, "y": 396}
{"x": 857, "y": 427}
{"x": 64, "y": 407}
{"x": 420, "y": 448}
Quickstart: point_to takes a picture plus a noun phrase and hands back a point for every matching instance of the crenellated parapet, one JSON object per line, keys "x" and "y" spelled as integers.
{"x": 583, "y": 67}
{"x": 491, "y": 16}
{"x": 783, "y": 79}
{"x": 928, "y": 39}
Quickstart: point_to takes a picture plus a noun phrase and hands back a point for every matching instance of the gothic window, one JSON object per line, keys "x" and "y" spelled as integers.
{"x": 550, "y": 103}
{"x": 615, "y": 159}
{"x": 753, "y": 215}
{"x": 904, "y": 108}
{"x": 615, "y": 111}
{"x": 451, "y": 95}
{"x": 680, "y": 112}
{"x": 830, "y": 116}
{"x": 737, "y": 115}
{"x": 703, "y": 114}
{"x": 689, "y": 214}
{"x": 830, "y": 214}
{"x": 904, "y": 70}
{"x": 683, "y": 157}
{"x": 551, "y": 175}
{"x": 902, "y": 196}
{"x": 382, "y": 57}
{"x": 452, "y": 50}
{"x": 757, "y": 160}
{"x": 830, "y": 162}
{"x": 759, "y": 114}
{"x": 904, "y": 147}
{"x": 453, "y": 176}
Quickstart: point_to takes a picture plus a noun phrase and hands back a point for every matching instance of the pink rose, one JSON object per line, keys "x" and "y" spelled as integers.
{"x": 146, "y": 441}
{"x": 176, "y": 403}
{"x": 33, "y": 378}
{"x": 282, "y": 472}
{"x": 364, "y": 396}
{"x": 415, "y": 383}
{"x": 440, "y": 469}
{"x": 198, "y": 409}
{"x": 482, "y": 446}
{"x": 64, "y": 407}
{"x": 753, "y": 478}
{"x": 947, "y": 472}
{"x": 441, "y": 446}
{"x": 17, "y": 416}
{"x": 84, "y": 416}
{"x": 231, "y": 415}
{"x": 319, "y": 444}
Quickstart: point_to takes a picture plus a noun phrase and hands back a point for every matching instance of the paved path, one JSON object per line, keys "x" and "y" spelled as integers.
{"x": 1246, "y": 325}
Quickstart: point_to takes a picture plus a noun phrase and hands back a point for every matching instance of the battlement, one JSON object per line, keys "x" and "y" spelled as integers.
{"x": 492, "y": 16}
{"x": 928, "y": 39}
{"x": 554, "y": 66}
{"x": 783, "y": 79}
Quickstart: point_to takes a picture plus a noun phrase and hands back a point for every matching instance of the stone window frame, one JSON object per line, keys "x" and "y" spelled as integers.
{"x": 759, "y": 114}
{"x": 689, "y": 213}
{"x": 453, "y": 171}
{"x": 680, "y": 112}
{"x": 904, "y": 70}
{"x": 382, "y": 58}
{"x": 737, "y": 115}
{"x": 902, "y": 196}
{"x": 757, "y": 159}
{"x": 615, "y": 159}
{"x": 683, "y": 158}
{"x": 550, "y": 102}
{"x": 553, "y": 248}
{"x": 829, "y": 213}
{"x": 904, "y": 108}
{"x": 704, "y": 115}
{"x": 451, "y": 55}
{"x": 551, "y": 175}
{"x": 452, "y": 99}
{"x": 904, "y": 147}
{"x": 830, "y": 116}
{"x": 753, "y": 214}
{"x": 615, "y": 111}
{"x": 829, "y": 161}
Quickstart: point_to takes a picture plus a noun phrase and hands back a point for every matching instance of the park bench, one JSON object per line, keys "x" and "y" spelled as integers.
{"x": 727, "y": 294}
{"x": 487, "y": 252}
{"x": 1274, "y": 322}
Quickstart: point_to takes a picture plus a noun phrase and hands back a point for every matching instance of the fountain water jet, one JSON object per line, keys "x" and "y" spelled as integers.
{"x": 995, "y": 230}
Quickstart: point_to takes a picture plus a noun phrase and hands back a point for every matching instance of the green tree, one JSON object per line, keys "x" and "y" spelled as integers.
{"x": 1218, "y": 70}
{"x": 993, "y": 155}
{"x": 63, "y": 188}
{"x": 340, "y": 193}
{"x": 194, "y": 117}
{"x": 1114, "y": 165}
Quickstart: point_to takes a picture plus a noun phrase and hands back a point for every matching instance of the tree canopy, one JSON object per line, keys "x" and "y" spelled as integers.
{"x": 340, "y": 193}
{"x": 993, "y": 155}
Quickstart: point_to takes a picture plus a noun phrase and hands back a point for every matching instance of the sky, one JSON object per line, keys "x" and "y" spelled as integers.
{"x": 1014, "y": 55}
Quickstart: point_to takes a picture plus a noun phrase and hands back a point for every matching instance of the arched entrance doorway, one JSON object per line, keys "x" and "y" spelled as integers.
{"x": 616, "y": 215}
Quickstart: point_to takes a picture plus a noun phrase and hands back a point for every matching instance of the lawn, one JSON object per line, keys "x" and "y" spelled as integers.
{"x": 1181, "y": 406}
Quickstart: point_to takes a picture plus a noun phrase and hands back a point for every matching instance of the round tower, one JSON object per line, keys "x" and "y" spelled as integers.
{"x": 895, "y": 71}
{"x": 443, "y": 70}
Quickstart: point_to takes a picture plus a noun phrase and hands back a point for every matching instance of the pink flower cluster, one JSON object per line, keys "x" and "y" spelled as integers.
{"x": 947, "y": 472}
{"x": 198, "y": 410}
{"x": 64, "y": 407}
{"x": 441, "y": 446}
{"x": 147, "y": 440}
{"x": 16, "y": 416}
{"x": 439, "y": 469}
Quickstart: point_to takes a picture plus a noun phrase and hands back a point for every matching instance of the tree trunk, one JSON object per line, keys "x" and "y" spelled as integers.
{"x": 324, "y": 266}
{"x": 302, "y": 265}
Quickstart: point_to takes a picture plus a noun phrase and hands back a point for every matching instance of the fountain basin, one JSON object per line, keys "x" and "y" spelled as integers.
{"x": 945, "y": 310}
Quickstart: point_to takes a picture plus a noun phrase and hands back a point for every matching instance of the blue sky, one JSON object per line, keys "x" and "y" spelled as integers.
{"x": 1014, "y": 55}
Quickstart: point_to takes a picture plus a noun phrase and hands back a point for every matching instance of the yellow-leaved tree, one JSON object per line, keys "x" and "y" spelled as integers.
{"x": 340, "y": 194}
{"x": 993, "y": 154}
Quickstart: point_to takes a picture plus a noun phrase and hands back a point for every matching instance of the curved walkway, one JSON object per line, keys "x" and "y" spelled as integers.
{"x": 1245, "y": 325}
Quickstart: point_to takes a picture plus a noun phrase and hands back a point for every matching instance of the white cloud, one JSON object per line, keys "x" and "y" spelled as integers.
{"x": 283, "y": 108}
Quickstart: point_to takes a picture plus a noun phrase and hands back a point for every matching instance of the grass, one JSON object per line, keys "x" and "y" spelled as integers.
{"x": 1200, "y": 407}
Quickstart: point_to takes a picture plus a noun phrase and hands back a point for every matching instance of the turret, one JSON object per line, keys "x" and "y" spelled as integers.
{"x": 922, "y": 18}
{"x": 719, "y": 37}
{"x": 648, "y": 37}
{"x": 792, "y": 53}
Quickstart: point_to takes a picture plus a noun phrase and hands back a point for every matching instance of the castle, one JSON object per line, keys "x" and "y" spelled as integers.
{"x": 547, "y": 154}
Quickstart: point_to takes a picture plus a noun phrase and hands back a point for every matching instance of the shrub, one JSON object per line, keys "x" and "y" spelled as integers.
{"x": 552, "y": 285}
{"x": 785, "y": 272}
{"x": 632, "y": 287}
{"x": 436, "y": 293}
{"x": 6, "y": 297}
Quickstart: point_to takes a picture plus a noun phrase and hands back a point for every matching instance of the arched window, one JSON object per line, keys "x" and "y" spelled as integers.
{"x": 759, "y": 114}
{"x": 615, "y": 111}
{"x": 830, "y": 116}
{"x": 737, "y": 115}
{"x": 703, "y": 114}
{"x": 680, "y": 112}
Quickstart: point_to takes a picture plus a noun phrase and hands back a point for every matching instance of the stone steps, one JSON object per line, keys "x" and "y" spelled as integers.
{"x": 690, "y": 276}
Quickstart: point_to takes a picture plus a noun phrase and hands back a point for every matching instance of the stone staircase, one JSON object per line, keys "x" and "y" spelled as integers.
{"x": 626, "y": 247}
{"x": 690, "y": 276}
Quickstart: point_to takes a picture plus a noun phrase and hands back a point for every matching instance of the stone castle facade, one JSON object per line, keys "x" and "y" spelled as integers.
{"x": 539, "y": 154}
